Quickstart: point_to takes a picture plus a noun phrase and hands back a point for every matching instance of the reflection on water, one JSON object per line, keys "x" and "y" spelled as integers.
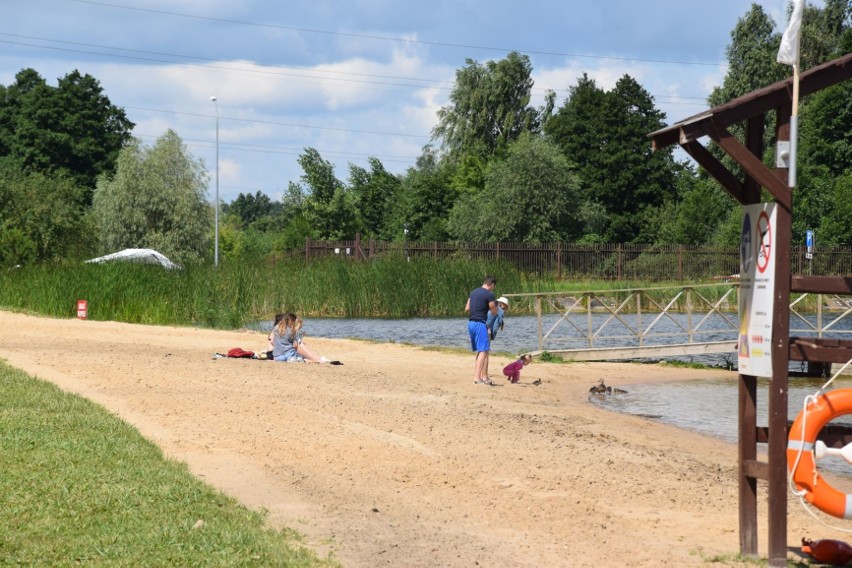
{"x": 710, "y": 406}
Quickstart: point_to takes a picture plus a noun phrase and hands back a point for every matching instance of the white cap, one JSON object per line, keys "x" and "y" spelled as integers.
{"x": 503, "y": 300}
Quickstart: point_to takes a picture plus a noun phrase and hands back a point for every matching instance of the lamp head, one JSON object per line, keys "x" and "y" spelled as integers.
{"x": 213, "y": 99}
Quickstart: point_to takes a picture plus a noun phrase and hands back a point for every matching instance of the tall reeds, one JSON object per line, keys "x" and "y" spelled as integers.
{"x": 237, "y": 293}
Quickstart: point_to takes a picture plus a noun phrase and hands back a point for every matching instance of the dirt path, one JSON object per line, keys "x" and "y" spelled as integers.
{"x": 397, "y": 459}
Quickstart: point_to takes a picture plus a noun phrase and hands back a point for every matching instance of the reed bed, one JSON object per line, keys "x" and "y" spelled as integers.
{"x": 237, "y": 293}
{"x": 241, "y": 292}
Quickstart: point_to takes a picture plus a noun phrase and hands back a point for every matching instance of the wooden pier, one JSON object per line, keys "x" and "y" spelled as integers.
{"x": 702, "y": 320}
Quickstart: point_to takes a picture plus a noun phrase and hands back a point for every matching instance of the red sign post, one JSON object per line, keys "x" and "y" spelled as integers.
{"x": 82, "y": 309}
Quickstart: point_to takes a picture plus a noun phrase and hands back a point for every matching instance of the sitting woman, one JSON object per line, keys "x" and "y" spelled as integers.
{"x": 269, "y": 345}
{"x": 288, "y": 344}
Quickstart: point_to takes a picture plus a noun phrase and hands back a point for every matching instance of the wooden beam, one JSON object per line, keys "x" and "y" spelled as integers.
{"x": 756, "y": 469}
{"x": 754, "y": 103}
{"x": 753, "y": 166}
{"x": 834, "y": 435}
{"x": 716, "y": 169}
{"x": 820, "y": 349}
{"x": 822, "y": 284}
{"x": 754, "y": 143}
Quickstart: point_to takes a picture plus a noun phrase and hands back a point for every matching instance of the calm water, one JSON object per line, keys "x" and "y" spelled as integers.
{"x": 705, "y": 406}
{"x": 710, "y": 407}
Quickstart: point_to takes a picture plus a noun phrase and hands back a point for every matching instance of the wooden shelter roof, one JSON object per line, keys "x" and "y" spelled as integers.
{"x": 752, "y": 104}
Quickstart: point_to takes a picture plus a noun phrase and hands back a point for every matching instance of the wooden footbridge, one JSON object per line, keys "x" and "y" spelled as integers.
{"x": 655, "y": 322}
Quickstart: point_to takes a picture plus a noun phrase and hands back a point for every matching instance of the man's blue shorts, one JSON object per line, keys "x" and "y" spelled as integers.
{"x": 479, "y": 340}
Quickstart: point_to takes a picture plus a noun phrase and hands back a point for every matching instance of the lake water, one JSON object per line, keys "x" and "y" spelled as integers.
{"x": 710, "y": 406}
{"x": 521, "y": 332}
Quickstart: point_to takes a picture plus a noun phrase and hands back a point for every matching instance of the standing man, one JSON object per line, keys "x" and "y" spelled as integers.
{"x": 479, "y": 303}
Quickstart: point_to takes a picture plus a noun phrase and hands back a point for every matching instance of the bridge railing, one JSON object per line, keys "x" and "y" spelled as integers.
{"x": 689, "y": 319}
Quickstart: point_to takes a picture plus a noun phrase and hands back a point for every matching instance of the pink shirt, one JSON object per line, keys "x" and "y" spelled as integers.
{"x": 513, "y": 369}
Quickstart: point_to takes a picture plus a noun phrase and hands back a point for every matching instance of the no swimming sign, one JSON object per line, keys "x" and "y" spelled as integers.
{"x": 757, "y": 287}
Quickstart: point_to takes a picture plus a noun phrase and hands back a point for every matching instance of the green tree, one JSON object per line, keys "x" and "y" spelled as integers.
{"x": 824, "y": 155}
{"x": 695, "y": 218}
{"x": 70, "y": 129}
{"x": 426, "y": 198}
{"x": 374, "y": 192}
{"x": 489, "y": 107}
{"x": 605, "y": 135}
{"x": 823, "y": 30}
{"x": 836, "y": 228}
{"x": 41, "y": 217}
{"x": 532, "y": 196}
{"x": 156, "y": 199}
{"x": 255, "y": 211}
{"x": 328, "y": 206}
{"x": 751, "y": 57}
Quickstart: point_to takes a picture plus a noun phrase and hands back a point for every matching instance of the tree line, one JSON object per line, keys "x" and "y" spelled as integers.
{"x": 73, "y": 180}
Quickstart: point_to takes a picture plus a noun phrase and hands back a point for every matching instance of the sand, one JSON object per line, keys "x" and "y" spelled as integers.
{"x": 397, "y": 459}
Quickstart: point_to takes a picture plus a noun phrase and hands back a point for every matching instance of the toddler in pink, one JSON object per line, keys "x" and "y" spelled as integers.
{"x": 513, "y": 370}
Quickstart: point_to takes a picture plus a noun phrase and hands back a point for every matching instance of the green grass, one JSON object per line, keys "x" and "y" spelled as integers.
{"x": 548, "y": 357}
{"x": 80, "y": 487}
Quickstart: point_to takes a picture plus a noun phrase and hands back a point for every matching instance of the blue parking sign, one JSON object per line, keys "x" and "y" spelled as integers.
{"x": 809, "y": 239}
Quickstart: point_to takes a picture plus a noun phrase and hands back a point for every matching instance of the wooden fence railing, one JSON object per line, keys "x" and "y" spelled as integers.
{"x": 602, "y": 262}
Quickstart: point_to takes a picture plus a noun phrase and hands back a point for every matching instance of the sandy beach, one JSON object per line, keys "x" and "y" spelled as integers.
{"x": 397, "y": 459}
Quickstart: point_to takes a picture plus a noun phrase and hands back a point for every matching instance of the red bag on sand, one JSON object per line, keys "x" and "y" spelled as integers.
{"x": 834, "y": 552}
{"x": 239, "y": 352}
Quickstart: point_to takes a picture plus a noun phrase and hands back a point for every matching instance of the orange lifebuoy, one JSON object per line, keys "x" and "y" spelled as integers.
{"x": 801, "y": 441}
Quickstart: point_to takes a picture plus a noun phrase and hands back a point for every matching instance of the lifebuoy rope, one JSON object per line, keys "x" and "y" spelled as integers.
{"x": 791, "y": 484}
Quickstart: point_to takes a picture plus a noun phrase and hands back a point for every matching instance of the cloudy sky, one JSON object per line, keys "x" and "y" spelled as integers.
{"x": 351, "y": 78}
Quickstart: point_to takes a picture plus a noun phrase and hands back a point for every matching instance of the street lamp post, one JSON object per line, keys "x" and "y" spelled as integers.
{"x": 216, "y": 216}
{"x": 405, "y": 240}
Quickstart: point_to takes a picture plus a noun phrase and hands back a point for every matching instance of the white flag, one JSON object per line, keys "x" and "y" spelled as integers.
{"x": 789, "y": 51}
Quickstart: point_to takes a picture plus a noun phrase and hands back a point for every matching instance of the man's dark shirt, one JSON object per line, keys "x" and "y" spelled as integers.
{"x": 479, "y": 300}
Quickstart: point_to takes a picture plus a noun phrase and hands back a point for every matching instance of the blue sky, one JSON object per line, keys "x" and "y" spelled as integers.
{"x": 353, "y": 78}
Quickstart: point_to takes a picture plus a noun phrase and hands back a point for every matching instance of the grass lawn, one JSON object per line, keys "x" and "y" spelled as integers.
{"x": 80, "y": 487}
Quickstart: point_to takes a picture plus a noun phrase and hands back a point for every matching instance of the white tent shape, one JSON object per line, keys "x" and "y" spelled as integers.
{"x": 146, "y": 256}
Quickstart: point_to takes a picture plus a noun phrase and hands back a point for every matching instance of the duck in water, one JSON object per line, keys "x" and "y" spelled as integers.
{"x": 602, "y": 388}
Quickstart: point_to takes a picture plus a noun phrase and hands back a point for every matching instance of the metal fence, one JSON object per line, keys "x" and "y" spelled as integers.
{"x": 599, "y": 262}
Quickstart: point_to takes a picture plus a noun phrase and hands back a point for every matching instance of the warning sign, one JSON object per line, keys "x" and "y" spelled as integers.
{"x": 82, "y": 309}
{"x": 757, "y": 287}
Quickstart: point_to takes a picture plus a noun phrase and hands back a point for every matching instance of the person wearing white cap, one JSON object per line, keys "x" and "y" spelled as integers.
{"x": 495, "y": 321}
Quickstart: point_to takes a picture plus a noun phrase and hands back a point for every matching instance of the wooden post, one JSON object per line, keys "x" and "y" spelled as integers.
{"x": 778, "y": 388}
{"x": 690, "y": 333}
{"x": 307, "y": 249}
{"x": 538, "y": 318}
{"x": 747, "y": 409}
{"x": 747, "y": 406}
{"x": 639, "y": 330}
{"x": 618, "y": 262}
{"x": 559, "y": 259}
{"x": 590, "y": 336}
